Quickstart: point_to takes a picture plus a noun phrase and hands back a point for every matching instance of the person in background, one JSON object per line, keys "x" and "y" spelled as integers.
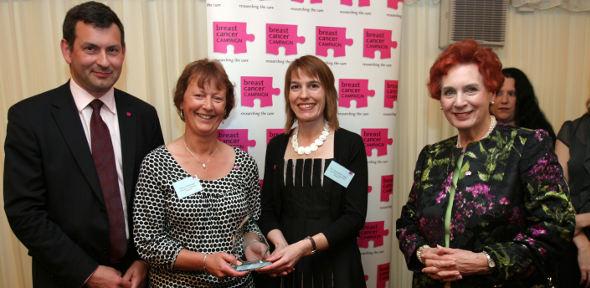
{"x": 194, "y": 193}
{"x": 311, "y": 216}
{"x": 517, "y": 105}
{"x": 572, "y": 149}
{"x": 72, "y": 159}
{"x": 488, "y": 206}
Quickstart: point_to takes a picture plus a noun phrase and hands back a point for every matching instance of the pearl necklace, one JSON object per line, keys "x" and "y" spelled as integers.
{"x": 493, "y": 123}
{"x": 203, "y": 164}
{"x": 317, "y": 143}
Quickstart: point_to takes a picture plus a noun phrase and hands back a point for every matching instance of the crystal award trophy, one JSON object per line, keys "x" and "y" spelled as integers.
{"x": 250, "y": 248}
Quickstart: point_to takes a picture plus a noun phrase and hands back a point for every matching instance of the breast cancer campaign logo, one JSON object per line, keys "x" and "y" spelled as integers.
{"x": 254, "y": 87}
{"x": 236, "y": 138}
{"x": 271, "y": 133}
{"x": 282, "y": 35}
{"x": 386, "y": 187}
{"x": 393, "y": 3}
{"x": 231, "y": 34}
{"x": 377, "y": 40}
{"x": 376, "y": 138}
{"x": 356, "y": 90}
{"x": 333, "y": 38}
{"x": 382, "y": 275}
{"x": 372, "y": 232}
{"x": 311, "y": 1}
{"x": 390, "y": 93}
{"x": 361, "y": 3}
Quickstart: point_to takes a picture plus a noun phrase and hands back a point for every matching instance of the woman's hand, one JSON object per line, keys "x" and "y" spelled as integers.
{"x": 447, "y": 264}
{"x": 584, "y": 264}
{"x": 285, "y": 258}
{"x": 583, "y": 245}
{"x": 220, "y": 265}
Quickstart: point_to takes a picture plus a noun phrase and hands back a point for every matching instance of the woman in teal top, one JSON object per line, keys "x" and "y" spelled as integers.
{"x": 488, "y": 206}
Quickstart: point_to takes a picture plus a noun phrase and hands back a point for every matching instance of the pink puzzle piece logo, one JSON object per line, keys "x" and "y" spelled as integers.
{"x": 386, "y": 187}
{"x": 231, "y": 33}
{"x": 257, "y": 88}
{"x": 376, "y": 139}
{"x": 377, "y": 40}
{"x": 390, "y": 93}
{"x": 382, "y": 275}
{"x": 282, "y": 35}
{"x": 354, "y": 89}
{"x": 373, "y": 231}
{"x": 369, "y": 189}
{"x": 362, "y": 3}
{"x": 312, "y": 1}
{"x": 271, "y": 133}
{"x": 236, "y": 138}
{"x": 331, "y": 38}
{"x": 393, "y": 3}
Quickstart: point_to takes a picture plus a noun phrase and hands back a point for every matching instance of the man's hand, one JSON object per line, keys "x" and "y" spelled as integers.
{"x": 136, "y": 274}
{"x": 106, "y": 277}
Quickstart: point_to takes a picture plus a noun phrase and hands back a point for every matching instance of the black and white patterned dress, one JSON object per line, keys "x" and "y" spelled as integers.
{"x": 203, "y": 222}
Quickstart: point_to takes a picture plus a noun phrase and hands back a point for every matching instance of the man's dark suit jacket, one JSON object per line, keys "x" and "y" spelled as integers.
{"x": 52, "y": 195}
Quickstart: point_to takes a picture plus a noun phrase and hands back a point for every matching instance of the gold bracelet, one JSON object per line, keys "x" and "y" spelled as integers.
{"x": 205, "y": 262}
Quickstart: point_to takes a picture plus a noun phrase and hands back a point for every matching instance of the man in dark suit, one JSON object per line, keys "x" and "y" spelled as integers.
{"x": 72, "y": 156}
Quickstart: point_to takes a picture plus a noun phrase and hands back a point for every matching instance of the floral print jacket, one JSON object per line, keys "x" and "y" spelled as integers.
{"x": 511, "y": 201}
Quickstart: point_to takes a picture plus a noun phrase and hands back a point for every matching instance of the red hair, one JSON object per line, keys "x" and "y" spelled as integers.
{"x": 466, "y": 52}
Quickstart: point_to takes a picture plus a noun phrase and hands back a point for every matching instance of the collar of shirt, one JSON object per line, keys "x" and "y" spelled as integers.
{"x": 82, "y": 98}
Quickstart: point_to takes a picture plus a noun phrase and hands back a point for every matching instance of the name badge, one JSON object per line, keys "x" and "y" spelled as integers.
{"x": 187, "y": 186}
{"x": 339, "y": 174}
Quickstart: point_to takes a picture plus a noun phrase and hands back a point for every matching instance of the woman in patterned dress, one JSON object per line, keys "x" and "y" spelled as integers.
{"x": 488, "y": 207}
{"x": 313, "y": 219}
{"x": 193, "y": 193}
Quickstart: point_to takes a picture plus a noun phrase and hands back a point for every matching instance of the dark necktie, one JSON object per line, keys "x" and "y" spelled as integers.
{"x": 104, "y": 161}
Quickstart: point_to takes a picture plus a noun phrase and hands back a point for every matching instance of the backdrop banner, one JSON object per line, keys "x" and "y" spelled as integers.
{"x": 359, "y": 39}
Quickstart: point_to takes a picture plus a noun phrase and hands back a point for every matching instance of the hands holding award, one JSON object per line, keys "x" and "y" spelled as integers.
{"x": 250, "y": 248}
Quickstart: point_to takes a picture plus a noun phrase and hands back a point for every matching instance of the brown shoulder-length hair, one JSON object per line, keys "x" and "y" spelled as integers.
{"x": 316, "y": 68}
{"x": 466, "y": 52}
{"x": 204, "y": 72}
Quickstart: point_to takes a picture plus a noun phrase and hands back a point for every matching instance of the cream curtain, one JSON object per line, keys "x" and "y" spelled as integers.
{"x": 570, "y": 5}
{"x": 162, "y": 36}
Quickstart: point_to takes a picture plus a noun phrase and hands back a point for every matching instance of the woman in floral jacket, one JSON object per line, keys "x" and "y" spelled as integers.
{"x": 489, "y": 206}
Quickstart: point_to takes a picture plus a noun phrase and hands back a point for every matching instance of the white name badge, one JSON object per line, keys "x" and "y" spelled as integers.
{"x": 187, "y": 186}
{"x": 339, "y": 174}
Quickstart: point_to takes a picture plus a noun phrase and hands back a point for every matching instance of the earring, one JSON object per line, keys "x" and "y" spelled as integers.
{"x": 181, "y": 114}
{"x": 440, "y": 108}
{"x": 492, "y": 102}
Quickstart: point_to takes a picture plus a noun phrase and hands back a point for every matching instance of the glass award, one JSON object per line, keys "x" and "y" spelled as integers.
{"x": 250, "y": 248}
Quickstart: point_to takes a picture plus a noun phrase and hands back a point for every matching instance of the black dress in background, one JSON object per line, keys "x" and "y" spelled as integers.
{"x": 576, "y": 135}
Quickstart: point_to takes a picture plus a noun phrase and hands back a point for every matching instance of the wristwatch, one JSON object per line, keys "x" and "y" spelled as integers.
{"x": 491, "y": 263}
